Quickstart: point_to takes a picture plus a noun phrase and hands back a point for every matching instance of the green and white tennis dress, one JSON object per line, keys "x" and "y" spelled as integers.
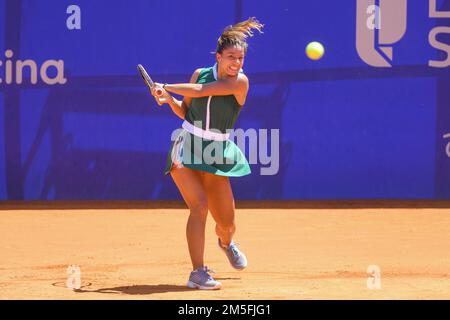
{"x": 203, "y": 141}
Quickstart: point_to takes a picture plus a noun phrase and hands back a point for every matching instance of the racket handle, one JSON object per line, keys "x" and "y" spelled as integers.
{"x": 158, "y": 98}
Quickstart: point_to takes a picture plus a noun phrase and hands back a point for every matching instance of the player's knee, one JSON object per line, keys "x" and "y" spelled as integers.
{"x": 199, "y": 207}
{"x": 227, "y": 226}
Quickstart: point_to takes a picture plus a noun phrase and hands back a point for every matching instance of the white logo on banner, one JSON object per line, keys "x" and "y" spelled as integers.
{"x": 19, "y": 66}
{"x": 375, "y": 36}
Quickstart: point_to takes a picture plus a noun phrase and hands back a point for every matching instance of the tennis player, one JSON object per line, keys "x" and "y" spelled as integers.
{"x": 202, "y": 158}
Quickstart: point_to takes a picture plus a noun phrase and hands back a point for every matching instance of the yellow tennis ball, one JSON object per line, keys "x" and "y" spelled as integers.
{"x": 315, "y": 50}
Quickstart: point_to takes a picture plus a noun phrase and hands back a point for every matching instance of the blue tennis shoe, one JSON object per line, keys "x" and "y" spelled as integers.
{"x": 201, "y": 279}
{"x": 237, "y": 258}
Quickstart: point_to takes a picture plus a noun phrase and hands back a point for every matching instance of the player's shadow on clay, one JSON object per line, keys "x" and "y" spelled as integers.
{"x": 143, "y": 289}
{"x": 147, "y": 289}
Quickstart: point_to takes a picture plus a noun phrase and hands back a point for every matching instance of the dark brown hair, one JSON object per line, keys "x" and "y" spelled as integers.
{"x": 237, "y": 34}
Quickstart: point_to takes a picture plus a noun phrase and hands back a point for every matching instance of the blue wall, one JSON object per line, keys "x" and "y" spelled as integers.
{"x": 347, "y": 130}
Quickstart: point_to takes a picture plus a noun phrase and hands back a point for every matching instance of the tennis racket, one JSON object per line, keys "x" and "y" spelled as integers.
{"x": 149, "y": 82}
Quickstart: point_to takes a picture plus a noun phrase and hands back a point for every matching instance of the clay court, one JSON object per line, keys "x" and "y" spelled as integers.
{"x": 305, "y": 253}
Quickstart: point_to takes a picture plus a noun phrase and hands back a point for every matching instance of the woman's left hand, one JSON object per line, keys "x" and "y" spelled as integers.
{"x": 165, "y": 97}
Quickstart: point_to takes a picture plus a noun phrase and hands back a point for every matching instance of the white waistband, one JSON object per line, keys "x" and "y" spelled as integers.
{"x": 205, "y": 134}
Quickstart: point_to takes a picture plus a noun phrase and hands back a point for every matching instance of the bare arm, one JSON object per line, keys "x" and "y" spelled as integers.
{"x": 180, "y": 107}
{"x": 222, "y": 87}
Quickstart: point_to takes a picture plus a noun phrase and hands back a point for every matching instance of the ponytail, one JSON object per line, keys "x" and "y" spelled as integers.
{"x": 237, "y": 34}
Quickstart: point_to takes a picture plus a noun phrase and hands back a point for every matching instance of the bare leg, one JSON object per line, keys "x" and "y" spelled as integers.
{"x": 189, "y": 183}
{"x": 221, "y": 205}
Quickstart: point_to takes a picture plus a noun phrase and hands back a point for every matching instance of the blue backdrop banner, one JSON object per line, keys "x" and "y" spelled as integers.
{"x": 369, "y": 120}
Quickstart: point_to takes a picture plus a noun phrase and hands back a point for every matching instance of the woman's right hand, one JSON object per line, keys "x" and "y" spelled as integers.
{"x": 154, "y": 89}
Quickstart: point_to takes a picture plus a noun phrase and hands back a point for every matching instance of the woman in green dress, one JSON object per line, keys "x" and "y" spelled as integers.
{"x": 202, "y": 158}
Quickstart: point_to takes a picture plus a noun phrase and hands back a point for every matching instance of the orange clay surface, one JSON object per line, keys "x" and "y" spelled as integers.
{"x": 293, "y": 254}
